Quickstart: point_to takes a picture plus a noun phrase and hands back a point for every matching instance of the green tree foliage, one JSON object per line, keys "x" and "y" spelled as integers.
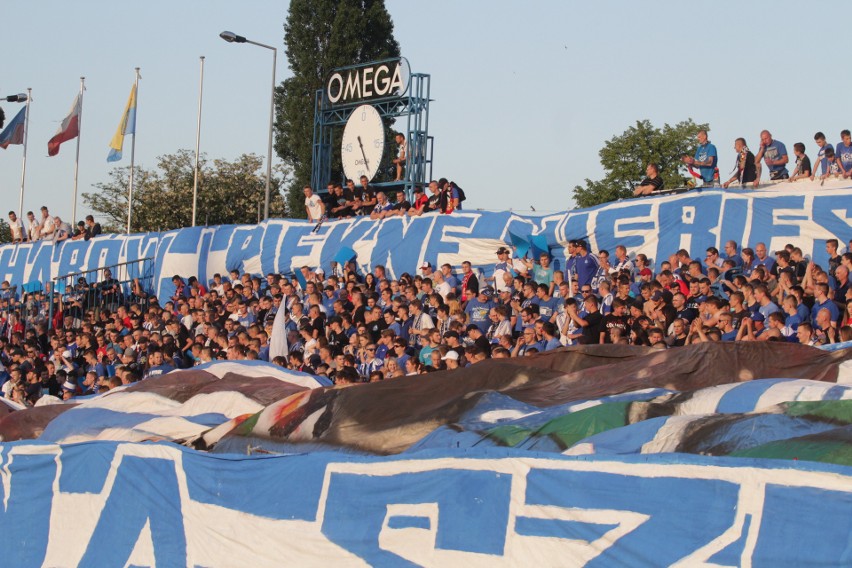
{"x": 626, "y": 156}
{"x": 229, "y": 192}
{"x": 322, "y": 35}
{"x": 5, "y": 232}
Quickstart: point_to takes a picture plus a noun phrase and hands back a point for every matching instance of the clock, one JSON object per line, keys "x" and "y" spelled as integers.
{"x": 363, "y": 143}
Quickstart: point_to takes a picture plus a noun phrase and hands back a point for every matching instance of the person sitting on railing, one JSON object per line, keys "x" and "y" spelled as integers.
{"x": 16, "y": 228}
{"x": 79, "y": 232}
{"x": 803, "y": 163}
{"x": 382, "y": 208}
{"x": 746, "y": 170}
{"x": 651, "y": 183}
{"x": 63, "y": 229}
{"x": 774, "y": 153}
{"x": 92, "y": 229}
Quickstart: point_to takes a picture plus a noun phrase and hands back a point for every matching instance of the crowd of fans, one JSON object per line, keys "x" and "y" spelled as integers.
{"x": 353, "y": 327}
{"x": 50, "y": 228}
{"x": 831, "y": 162}
{"x": 341, "y": 202}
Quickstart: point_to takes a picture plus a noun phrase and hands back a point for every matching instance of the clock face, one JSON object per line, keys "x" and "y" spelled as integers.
{"x": 363, "y": 143}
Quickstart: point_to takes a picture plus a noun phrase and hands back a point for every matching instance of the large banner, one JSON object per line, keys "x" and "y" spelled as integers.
{"x": 656, "y": 226}
{"x": 119, "y": 504}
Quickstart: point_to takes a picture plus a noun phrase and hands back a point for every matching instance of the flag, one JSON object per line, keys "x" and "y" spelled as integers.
{"x": 68, "y": 130}
{"x": 14, "y": 132}
{"x": 278, "y": 340}
{"x": 126, "y": 126}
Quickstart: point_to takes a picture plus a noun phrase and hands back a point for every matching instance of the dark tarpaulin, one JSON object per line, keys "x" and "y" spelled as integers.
{"x": 389, "y": 416}
{"x": 30, "y": 423}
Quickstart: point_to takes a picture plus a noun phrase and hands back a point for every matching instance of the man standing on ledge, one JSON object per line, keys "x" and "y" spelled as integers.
{"x": 314, "y": 206}
{"x": 651, "y": 183}
{"x": 774, "y": 153}
{"x": 705, "y": 159}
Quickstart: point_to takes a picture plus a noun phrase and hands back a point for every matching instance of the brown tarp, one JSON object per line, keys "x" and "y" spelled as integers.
{"x": 30, "y": 423}
{"x": 389, "y": 416}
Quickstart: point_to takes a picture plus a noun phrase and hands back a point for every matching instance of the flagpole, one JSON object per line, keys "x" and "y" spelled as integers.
{"x": 197, "y": 143}
{"x": 132, "y": 157}
{"x": 77, "y": 159}
{"x": 26, "y": 137}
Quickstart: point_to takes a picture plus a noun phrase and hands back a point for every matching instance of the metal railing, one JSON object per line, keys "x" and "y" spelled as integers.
{"x": 106, "y": 287}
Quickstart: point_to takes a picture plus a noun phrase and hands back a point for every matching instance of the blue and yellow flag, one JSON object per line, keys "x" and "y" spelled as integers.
{"x": 126, "y": 126}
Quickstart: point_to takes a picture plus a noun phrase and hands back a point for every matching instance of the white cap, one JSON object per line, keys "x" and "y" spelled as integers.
{"x": 66, "y": 354}
{"x": 451, "y": 355}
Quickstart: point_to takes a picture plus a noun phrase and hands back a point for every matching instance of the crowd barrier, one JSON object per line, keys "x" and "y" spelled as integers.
{"x": 804, "y": 214}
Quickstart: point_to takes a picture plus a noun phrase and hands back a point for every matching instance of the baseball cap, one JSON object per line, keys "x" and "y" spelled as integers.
{"x": 451, "y": 334}
{"x": 487, "y": 291}
{"x": 646, "y": 272}
{"x": 69, "y": 386}
{"x": 450, "y": 356}
{"x": 757, "y": 317}
{"x": 425, "y": 265}
{"x": 502, "y": 250}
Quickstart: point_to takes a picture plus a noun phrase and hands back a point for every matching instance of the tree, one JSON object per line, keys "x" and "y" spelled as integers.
{"x": 5, "y": 232}
{"x": 625, "y": 158}
{"x": 228, "y": 193}
{"x": 322, "y": 35}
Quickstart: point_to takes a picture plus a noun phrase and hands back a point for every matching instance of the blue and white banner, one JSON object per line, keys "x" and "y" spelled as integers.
{"x": 113, "y": 504}
{"x": 657, "y": 226}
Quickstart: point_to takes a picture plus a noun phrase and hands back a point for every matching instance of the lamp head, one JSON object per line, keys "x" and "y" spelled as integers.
{"x": 231, "y": 37}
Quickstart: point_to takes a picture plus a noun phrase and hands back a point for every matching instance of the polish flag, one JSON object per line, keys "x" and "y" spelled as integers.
{"x": 69, "y": 129}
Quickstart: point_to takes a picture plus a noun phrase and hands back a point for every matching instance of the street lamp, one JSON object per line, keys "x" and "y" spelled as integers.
{"x": 19, "y": 98}
{"x": 231, "y": 37}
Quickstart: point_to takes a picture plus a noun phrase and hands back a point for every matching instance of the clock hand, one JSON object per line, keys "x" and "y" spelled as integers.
{"x": 366, "y": 165}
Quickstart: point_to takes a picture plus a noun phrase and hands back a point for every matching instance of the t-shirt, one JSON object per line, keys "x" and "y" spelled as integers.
{"x": 803, "y": 164}
{"x": 586, "y": 267}
{"x": 844, "y": 154}
{"x": 657, "y": 183}
{"x": 775, "y": 151}
{"x": 746, "y": 168}
{"x": 821, "y": 159}
{"x": 478, "y": 313}
{"x": 612, "y": 321}
{"x": 703, "y": 153}
{"x": 17, "y": 229}
{"x": 592, "y": 332}
{"x": 548, "y": 308}
{"x": 313, "y": 205}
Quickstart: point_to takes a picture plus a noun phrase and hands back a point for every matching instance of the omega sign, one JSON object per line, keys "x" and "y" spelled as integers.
{"x": 386, "y": 78}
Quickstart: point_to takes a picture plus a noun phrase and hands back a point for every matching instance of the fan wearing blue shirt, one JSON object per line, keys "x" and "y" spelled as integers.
{"x": 774, "y": 154}
{"x": 819, "y": 138}
{"x": 586, "y": 265}
{"x": 705, "y": 159}
{"x": 843, "y": 151}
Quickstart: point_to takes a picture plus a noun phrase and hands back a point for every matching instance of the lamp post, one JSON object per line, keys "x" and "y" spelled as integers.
{"x": 231, "y": 37}
{"x": 23, "y": 98}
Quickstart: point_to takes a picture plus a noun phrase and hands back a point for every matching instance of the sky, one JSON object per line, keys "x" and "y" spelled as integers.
{"x": 525, "y": 94}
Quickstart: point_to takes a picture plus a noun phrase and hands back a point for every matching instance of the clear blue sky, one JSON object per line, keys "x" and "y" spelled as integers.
{"x": 525, "y": 93}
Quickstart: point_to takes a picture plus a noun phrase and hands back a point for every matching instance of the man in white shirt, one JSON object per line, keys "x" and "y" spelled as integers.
{"x": 34, "y": 230}
{"x": 16, "y": 227}
{"x": 313, "y": 205}
{"x": 48, "y": 226}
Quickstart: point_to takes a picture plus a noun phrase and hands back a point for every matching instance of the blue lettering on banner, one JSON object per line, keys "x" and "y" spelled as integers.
{"x": 508, "y": 504}
{"x": 29, "y": 478}
{"x": 473, "y": 510}
{"x": 156, "y": 502}
{"x": 657, "y": 227}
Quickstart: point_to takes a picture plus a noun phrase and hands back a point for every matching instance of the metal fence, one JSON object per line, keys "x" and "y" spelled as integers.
{"x": 102, "y": 288}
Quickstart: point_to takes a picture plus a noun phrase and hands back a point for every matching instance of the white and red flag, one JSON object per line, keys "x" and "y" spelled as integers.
{"x": 68, "y": 130}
